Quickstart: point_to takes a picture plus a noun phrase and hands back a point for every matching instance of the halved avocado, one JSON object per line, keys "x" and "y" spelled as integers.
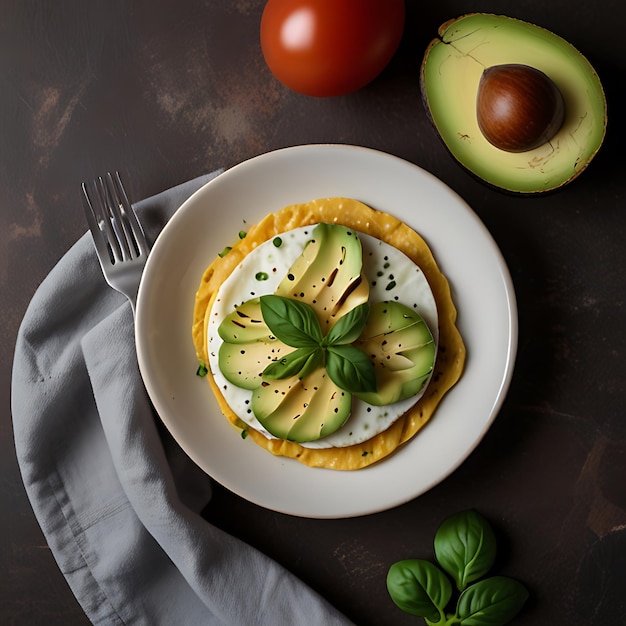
{"x": 450, "y": 74}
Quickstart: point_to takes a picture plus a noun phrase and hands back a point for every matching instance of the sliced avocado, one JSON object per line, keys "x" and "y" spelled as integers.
{"x": 245, "y": 324}
{"x": 243, "y": 364}
{"x": 301, "y": 410}
{"x": 248, "y": 347}
{"x": 327, "y": 275}
{"x": 403, "y": 350}
{"x": 450, "y": 75}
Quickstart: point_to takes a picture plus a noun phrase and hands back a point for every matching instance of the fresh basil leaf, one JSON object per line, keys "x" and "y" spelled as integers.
{"x": 350, "y": 369}
{"x": 420, "y": 588}
{"x": 349, "y": 326}
{"x": 291, "y": 321}
{"x": 465, "y": 546}
{"x": 300, "y": 362}
{"x": 315, "y": 361}
{"x": 491, "y": 602}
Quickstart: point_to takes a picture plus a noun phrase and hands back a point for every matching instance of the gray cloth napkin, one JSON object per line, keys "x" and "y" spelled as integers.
{"x": 116, "y": 498}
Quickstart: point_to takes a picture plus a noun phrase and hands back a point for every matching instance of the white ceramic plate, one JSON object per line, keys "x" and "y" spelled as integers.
{"x": 212, "y": 217}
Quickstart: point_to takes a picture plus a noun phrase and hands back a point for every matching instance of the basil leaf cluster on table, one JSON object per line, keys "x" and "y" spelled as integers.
{"x": 465, "y": 549}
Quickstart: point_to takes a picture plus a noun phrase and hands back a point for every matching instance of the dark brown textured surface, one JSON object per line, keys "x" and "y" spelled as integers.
{"x": 168, "y": 91}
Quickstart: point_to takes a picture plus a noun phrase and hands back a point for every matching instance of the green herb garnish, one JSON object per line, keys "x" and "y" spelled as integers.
{"x": 277, "y": 241}
{"x": 465, "y": 548}
{"x": 202, "y": 370}
{"x": 292, "y": 321}
{"x": 295, "y": 324}
{"x": 225, "y": 251}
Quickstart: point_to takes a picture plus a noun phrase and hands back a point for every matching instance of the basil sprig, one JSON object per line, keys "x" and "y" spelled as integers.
{"x": 294, "y": 323}
{"x": 465, "y": 548}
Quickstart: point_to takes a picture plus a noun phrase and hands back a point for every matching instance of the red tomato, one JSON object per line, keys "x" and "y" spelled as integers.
{"x": 330, "y": 47}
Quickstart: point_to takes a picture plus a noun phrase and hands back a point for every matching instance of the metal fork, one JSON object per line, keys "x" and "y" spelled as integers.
{"x": 117, "y": 234}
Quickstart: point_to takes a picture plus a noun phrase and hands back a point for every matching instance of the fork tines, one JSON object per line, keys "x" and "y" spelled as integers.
{"x": 114, "y": 225}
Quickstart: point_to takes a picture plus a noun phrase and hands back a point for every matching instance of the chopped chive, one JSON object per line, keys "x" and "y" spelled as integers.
{"x": 278, "y": 242}
{"x": 261, "y": 276}
{"x": 242, "y": 234}
{"x": 202, "y": 370}
{"x": 225, "y": 251}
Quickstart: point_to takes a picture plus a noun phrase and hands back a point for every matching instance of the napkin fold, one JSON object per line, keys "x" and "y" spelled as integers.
{"x": 118, "y": 501}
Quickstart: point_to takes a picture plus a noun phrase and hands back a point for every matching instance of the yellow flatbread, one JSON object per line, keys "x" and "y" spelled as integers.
{"x": 451, "y": 349}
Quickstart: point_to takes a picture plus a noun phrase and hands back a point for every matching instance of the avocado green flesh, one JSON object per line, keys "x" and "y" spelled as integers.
{"x": 243, "y": 365}
{"x": 451, "y": 71}
{"x": 402, "y": 349}
{"x": 301, "y": 410}
{"x": 328, "y": 274}
{"x": 248, "y": 346}
{"x": 245, "y": 324}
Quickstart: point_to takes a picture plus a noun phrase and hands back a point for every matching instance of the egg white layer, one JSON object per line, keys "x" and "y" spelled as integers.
{"x": 391, "y": 275}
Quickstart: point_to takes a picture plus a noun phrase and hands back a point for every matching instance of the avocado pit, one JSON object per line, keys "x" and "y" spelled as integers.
{"x": 518, "y": 107}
